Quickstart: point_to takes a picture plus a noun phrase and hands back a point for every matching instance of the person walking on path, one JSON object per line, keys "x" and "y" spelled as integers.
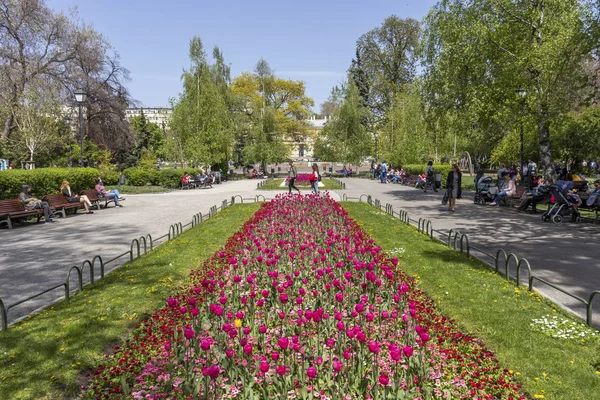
{"x": 292, "y": 174}
{"x": 430, "y": 177}
{"x": 384, "y": 172}
{"x": 315, "y": 178}
{"x": 453, "y": 186}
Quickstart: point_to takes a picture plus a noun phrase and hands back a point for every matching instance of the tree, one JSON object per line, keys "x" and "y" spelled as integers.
{"x": 34, "y": 43}
{"x": 385, "y": 61}
{"x": 276, "y": 110}
{"x": 406, "y": 138}
{"x": 479, "y": 53}
{"x": 149, "y": 137}
{"x": 345, "y": 138}
{"x": 37, "y": 123}
{"x": 201, "y": 122}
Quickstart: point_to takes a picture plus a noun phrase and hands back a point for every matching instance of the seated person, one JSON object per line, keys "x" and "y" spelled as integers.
{"x": 420, "y": 181}
{"x": 535, "y": 195}
{"x": 595, "y": 195}
{"x": 254, "y": 173}
{"x": 508, "y": 189}
{"x": 74, "y": 198}
{"x": 186, "y": 178}
{"x": 32, "y": 203}
{"x": 113, "y": 194}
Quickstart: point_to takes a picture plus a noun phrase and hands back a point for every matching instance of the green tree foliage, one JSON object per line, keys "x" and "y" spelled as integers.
{"x": 577, "y": 136}
{"x": 201, "y": 125}
{"x": 149, "y": 137}
{"x": 345, "y": 138}
{"x": 477, "y": 54}
{"x": 275, "y": 111}
{"x": 405, "y": 138}
{"x": 385, "y": 61}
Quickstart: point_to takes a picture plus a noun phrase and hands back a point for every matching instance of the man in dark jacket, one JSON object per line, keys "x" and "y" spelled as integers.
{"x": 32, "y": 203}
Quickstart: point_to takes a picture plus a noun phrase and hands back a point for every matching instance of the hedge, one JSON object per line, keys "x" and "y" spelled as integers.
{"x": 417, "y": 169}
{"x": 169, "y": 178}
{"x": 45, "y": 181}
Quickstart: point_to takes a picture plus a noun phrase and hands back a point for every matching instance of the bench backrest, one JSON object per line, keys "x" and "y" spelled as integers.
{"x": 12, "y": 205}
{"x": 56, "y": 199}
{"x": 91, "y": 194}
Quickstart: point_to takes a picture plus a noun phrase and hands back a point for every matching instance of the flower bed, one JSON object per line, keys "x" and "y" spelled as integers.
{"x": 301, "y": 180}
{"x": 300, "y": 303}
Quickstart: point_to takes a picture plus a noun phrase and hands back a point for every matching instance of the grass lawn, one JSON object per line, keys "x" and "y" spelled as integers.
{"x": 127, "y": 189}
{"x": 46, "y": 356}
{"x": 274, "y": 184}
{"x": 487, "y": 306}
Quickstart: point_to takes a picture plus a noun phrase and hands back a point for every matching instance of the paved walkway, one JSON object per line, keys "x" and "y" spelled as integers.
{"x": 33, "y": 258}
{"x": 566, "y": 254}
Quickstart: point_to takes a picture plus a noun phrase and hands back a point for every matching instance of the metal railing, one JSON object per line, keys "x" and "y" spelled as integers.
{"x": 460, "y": 242}
{"x": 338, "y": 181}
{"x": 146, "y": 243}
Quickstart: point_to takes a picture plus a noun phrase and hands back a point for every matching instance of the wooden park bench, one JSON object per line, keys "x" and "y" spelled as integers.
{"x": 206, "y": 183}
{"x": 97, "y": 200}
{"x": 59, "y": 204}
{"x": 14, "y": 209}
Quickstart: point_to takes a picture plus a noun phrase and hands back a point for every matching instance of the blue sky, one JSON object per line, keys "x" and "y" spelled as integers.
{"x": 312, "y": 41}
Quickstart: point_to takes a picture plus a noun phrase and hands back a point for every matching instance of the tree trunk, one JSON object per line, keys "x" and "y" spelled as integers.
{"x": 546, "y": 166}
{"x": 7, "y": 127}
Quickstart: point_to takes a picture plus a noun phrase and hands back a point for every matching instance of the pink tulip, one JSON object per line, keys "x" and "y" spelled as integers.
{"x": 283, "y": 343}
{"x": 374, "y": 347}
{"x": 274, "y": 356}
{"x": 311, "y": 372}
{"x": 280, "y": 370}
{"x": 407, "y": 350}
{"x": 337, "y": 366}
{"x": 264, "y": 366}
{"x": 205, "y": 344}
{"x": 248, "y": 349}
{"x": 384, "y": 380}
{"x": 262, "y": 329}
{"x": 189, "y": 333}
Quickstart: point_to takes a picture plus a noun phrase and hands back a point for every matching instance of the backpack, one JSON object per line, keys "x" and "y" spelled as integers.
{"x": 319, "y": 177}
{"x": 430, "y": 172}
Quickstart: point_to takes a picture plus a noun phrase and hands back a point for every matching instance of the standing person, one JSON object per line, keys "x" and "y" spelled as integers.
{"x": 292, "y": 174}
{"x": 373, "y": 168}
{"x": 531, "y": 171}
{"x": 74, "y": 198}
{"x": 384, "y": 172}
{"x": 113, "y": 194}
{"x": 315, "y": 178}
{"x": 453, "y": 185}
{"x": 32, "y": 203}
{"x": 430, "y": 177}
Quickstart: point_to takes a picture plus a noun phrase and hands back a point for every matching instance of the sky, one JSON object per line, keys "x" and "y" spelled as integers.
{"x": 312, "y": 41}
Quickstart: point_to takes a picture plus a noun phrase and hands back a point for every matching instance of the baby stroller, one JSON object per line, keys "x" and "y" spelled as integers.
{"x": 559, "y": 207}
{"x": 485, "y": 191}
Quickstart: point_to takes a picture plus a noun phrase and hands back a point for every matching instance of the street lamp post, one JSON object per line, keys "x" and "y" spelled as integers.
{"x": 81, "y": 97}
{"x": 522, "y": 93}
{"x": 376, "y": 135}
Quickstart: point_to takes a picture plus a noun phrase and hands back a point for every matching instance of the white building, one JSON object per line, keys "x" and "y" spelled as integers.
{"x": 159, "y": 115}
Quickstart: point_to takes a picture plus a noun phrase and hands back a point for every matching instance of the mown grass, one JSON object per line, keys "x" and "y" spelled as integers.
{"x": 275, "y": 184}
{"x": 46, "y": 356}
{"x": 486, "y": 305}
{"x": 128, "y": 189}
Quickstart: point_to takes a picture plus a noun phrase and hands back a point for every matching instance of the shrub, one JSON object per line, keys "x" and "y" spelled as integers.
{"x": 417, "y": 169}
{"x": 141, "y": 177}
{"x": 110, "y": 177}
{"x": 45, "y": 181}
{"x": 170, "y": 178}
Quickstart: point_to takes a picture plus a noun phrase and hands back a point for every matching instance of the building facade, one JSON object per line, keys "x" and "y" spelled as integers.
{"x": 158, "y": 115}
{"x": 304, "y": 147}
